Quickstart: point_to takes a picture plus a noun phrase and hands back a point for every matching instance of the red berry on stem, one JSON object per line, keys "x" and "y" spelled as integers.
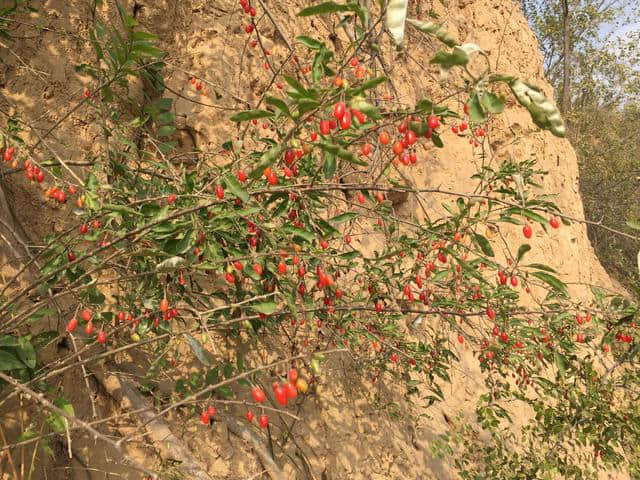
{"x": 102, "y": 337}
{"x": 339, "y": 110}
{"x": 291, "y": 390}
{"x": 325, "y": 127}
{"x": 345, "y": 121}
{"x": 204, "y": 418}
{"x": 527, "y": 231}
{"x": 164, "y": 305}
{"x": 86, "y": 315}
{"x": 72, "y": 324}
{"x": 554, "y": 222}
{"x": 249, "y": 416}
{"x": 281, "y": 395}
{"x": 264, "y": 421}
{"x": 258, "y": 394}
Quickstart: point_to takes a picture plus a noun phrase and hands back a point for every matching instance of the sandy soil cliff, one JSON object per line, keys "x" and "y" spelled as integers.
{"x": 343, "y": 436}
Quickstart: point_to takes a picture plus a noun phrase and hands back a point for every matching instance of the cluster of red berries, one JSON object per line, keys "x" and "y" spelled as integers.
{"x": 207, "y": 415}
{"x": 34, "y": 173}
{"x": 8, "y": 155}
{"x": 86, "y": 315}
{"x": 197, "y": 84}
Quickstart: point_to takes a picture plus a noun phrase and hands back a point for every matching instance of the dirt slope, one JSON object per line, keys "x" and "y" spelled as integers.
{"x": 343, "y": 436}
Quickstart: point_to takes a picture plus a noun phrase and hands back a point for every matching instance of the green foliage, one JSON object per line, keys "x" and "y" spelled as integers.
{"x": 191, "y": 250}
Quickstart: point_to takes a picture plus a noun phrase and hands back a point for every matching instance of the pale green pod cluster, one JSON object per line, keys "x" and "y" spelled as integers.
{"x": 543, "y": 111}
{"x": 434, "y": 30}
{"x": 396, "y": 16}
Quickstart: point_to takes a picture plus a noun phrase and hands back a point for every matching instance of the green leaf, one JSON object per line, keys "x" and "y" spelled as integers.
{"x": 198, "y": 350}
{"x": 57, "y": 421}
{"x": 437, "y": 141}
{"x": 9, "y": 341}
{"x": 322, "y": 8}
{"x": 250, "y": 115}
{"x": 476, "y": 112}
{"x": 492, "y": 103}
{"x": 26, "y": 352}
{"x": 449, "y": 59}
{"x": 120, "y": 209}
{"x": 368, "y": 85}
{"x": 146, "y": 49}
{"x": 329, "y": 165}
{"x": 266, "y": 160}
{"x": 309, "y": 42}
{"x": 539, "y": 266}
{"x": 42, "y": 339}
{"x": 341, "y": 152}
{"x": 633, "y": 224}
{"x": 279, "y": 104}
{"x": 561, "y": 363}
{"x": 165, "y": 118}
{"x": 212, "y": 376}
{"x": 234, "y": 187}
{"x": 524, "y": 248}
{"x": 266, "y": 308}
{"x": 8, "y": 361}
{"x": 166, "y": 130}
{"x": 552, "y": 281}
{"x": 344, "y": 217}
{"x": 484, "y": 244}
{"x": 298, "y": 232}
{"x": 419, "y": 128}
{"x": 298, "y": 89}
{"x": 535, "y": 217}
